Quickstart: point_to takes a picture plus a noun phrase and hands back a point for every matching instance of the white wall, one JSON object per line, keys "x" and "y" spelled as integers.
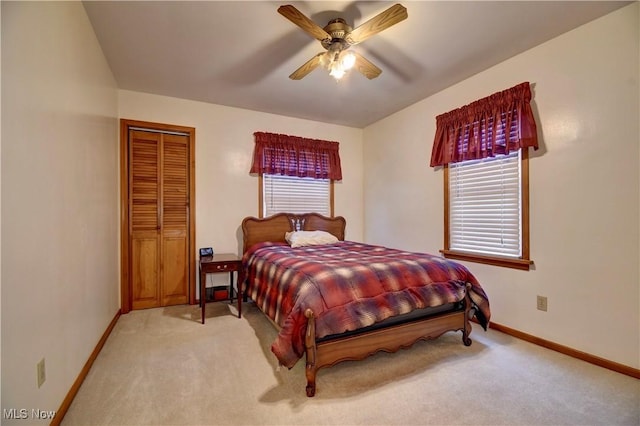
{"x": 59, "y": 200}
{"x": 225, "y": 191}
{"x": 584, "y": 187}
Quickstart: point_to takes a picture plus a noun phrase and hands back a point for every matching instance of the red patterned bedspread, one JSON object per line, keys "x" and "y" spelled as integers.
{"x": 348, "y": 286}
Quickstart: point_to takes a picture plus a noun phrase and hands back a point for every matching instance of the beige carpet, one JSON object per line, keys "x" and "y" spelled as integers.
{"x": 162, "y": 367}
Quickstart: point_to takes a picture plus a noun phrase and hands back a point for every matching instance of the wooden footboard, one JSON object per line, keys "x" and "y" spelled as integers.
{"x": 391, "y": 339}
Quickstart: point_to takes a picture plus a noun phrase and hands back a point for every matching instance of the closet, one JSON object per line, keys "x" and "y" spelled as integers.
{"x": 158, "y": 259}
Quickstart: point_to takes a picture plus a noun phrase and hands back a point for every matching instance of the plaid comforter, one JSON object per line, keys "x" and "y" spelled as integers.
{"x": 348, "y": 286}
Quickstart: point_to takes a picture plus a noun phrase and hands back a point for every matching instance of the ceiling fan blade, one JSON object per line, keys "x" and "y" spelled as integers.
{"x": 295, "y": 16}
{"x": 308, "y": 66}
{"x": 365, "y": 67}
{"x": 384, "y": 20}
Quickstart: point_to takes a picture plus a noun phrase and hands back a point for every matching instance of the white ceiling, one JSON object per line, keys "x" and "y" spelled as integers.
{"x": 240, "y": 53}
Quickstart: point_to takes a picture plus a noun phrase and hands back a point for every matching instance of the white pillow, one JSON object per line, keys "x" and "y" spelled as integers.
{"x": 309, "y": 238}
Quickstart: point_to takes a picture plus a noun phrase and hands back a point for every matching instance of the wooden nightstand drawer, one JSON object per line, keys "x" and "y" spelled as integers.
{"x": 223, "y": 267}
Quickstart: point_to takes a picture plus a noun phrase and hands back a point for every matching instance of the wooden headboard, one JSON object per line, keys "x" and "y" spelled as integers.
{"x": 273, "y": 228}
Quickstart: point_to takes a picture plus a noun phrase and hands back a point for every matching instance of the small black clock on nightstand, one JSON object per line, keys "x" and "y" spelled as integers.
{"x": 206, "y": 252}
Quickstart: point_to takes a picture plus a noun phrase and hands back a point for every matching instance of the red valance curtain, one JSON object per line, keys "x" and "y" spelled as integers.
{"x": 497, "y": 124}
{"x": 278, "y": 154}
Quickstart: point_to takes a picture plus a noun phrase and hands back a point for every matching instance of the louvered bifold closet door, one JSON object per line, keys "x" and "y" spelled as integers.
{"x": 144, "y": 223}
{"x": 175, "y": 219}
{"x": 159, "y": 222}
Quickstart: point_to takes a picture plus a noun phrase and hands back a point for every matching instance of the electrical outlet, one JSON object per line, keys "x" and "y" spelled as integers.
{"x": 42, "y": 376}
{"x": 542, "y": 303}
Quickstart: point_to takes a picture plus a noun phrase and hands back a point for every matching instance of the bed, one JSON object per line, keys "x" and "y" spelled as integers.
{"x": 334, "y": 300}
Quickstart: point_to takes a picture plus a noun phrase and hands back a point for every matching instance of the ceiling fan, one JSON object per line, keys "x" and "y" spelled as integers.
{"x": 337, "y": 37}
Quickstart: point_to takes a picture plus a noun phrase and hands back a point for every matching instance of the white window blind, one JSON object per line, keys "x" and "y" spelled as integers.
{"x": 485, "y": 206}
{"x": 295, "y": 195}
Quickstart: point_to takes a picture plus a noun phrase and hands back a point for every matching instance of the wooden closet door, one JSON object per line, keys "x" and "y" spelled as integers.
{"x": 174, "y": 279}
{"x": 159, "y": 218}
{"x": 144, "y": 223}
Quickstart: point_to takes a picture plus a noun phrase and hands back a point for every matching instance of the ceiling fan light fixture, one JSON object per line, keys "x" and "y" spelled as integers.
{"x": 338, "y": 62}
{"x": 337, "y": 72}
{"x": 348, "y": 60}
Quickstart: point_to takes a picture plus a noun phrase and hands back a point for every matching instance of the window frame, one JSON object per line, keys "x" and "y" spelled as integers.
{"x": 261, "y": 206}
{"x": 522, "y": 263}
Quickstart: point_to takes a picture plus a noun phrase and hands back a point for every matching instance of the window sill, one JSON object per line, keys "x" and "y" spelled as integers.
{"x": 522, "y": 264}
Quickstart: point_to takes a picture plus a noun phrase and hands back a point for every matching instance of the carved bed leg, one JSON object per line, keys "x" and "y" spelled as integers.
{"x": 310, "y": 345}
{"x": 468, "y": 313}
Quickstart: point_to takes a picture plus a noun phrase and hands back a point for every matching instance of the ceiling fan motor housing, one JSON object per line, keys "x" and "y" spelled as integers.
{"x": 338, "y": 30}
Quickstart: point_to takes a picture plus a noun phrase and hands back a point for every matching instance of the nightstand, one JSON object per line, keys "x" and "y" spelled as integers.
{"x": 222, "y": 262}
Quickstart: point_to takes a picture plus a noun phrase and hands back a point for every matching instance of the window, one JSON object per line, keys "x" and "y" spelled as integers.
{"x": 296, "y": 174}
{"x": 484, "y": 206}
{"x": 292, "y": 194}
{"x": 484, "y": 150}
{"x": 486, "y": 216}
